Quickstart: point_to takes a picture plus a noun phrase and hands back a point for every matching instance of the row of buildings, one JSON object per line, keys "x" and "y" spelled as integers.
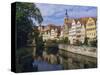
{"x": 79, "y": 29}
{"x": 74, "y": 29}
{"x": 50, "y": 32}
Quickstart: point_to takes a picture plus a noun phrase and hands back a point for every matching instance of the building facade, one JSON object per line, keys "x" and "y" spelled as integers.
{"x": 49, "y": 32}
{"x": 65, "y": 28}
{"x": 72, "y": 32}
{"x": 76, "y": 32}
{"x": 83, "y": 33}
{"x": 91, "y": 32}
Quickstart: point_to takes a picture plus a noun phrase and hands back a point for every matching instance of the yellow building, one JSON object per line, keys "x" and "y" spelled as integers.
{"x": 91, "y": 28}
{"x": 65, "y": 28}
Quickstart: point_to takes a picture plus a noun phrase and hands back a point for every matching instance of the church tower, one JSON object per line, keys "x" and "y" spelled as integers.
{"x": 65, "y": 29}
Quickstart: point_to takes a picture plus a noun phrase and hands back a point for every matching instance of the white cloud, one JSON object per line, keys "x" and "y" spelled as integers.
{"x": 55, "y": 13}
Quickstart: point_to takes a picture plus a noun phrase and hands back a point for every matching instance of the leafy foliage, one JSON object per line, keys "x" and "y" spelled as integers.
{"x": 52, "y": 46}
{"x": 93, "y": 43}
{"x": 25, "y": 12}
{"x": 64, "y": 40}
{"x": 86, "y": 41}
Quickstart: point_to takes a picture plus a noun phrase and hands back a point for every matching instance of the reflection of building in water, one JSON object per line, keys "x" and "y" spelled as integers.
{"x": 76, "y": 61}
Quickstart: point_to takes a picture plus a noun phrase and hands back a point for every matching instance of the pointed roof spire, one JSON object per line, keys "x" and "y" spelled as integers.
{"x": 66, "y": 14}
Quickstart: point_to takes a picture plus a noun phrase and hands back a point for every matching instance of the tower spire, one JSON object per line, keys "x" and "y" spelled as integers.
{"x": 65, "y": 30}
{"x": 66, "y": 14}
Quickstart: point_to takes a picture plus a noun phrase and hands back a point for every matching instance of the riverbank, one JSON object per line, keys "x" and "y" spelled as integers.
{"x": 83, "y": 50}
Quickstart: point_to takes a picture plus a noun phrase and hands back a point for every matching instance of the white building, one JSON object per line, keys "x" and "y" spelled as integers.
{"x": 49, "y": 32}
{"x": 83, "y": 35}
{"x": 72, "y": 32}
{"x": 46, "y": 35}
{"x": 52, "y": 34}
{"x": 77, "y": 32}
{"x": 61, "y": 33}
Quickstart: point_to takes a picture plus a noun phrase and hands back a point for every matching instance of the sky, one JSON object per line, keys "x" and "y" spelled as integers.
{"x": 55, "y": 13}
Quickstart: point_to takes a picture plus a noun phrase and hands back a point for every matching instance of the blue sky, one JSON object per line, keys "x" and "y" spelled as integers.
{"x": 54, "y": 13}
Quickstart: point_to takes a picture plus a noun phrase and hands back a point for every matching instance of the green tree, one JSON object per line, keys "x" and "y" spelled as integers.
{"x": 86, "y": 41}
{"x": 64, "y": 40}
{"x": 25, "y": 12}
{"x": 78, "y": 43}
{"x": 93, "y": 43}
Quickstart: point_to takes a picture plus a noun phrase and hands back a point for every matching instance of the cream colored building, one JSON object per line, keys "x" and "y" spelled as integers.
{"x": 46, "y": 35}
{"x": 72, "y": 32}
{"x": 76, "y": 32}
{"x": 49, "y": 32}
{"x": 83, "y": 33}
{"x": 91, "y": 32}
{"x": 80, "y": 32}
{"x": 53, "y": 34}
{"x": 65, "y": 28}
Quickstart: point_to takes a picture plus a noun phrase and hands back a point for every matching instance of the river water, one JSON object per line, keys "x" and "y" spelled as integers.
{"x": 76, "y": 61}
{"x": 68, "y": 60}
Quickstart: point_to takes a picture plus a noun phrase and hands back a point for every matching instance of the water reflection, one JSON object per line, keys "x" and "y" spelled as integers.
{"x": 76, "y": 61}
{"x": 54, "y": 58}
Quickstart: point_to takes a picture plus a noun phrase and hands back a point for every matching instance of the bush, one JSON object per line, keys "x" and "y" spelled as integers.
{"x": 86, "y": 41}
{"x": 93, "y": 43}
{"x": 78, "y": 43}
{"x": 64, "y": 40}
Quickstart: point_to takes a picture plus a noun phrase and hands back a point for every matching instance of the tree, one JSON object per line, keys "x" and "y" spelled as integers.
{"x": 79, "y": 43}
{"x": 64, "y": 40}
{"x": 86, "y": 41}
{"x": 93, "y": 43}
{"x": 25, "y": 12}
{"x": 39, "y": 43}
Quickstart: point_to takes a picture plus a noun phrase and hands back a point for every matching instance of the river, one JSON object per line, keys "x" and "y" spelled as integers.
{"x": 76, "y": 61}
{"x": 70, "y": 60}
